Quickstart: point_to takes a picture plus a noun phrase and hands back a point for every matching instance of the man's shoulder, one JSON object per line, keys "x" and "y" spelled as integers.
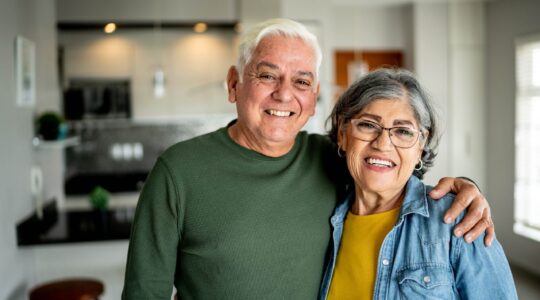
{"x": 194, "y": 146}
{"x": 316, "y": 137}
{"x": 315, "y": 141}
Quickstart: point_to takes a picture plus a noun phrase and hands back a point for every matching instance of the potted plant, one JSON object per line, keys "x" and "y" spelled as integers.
{"x": 51, "y": 126}
{"x": 99, "y": 198}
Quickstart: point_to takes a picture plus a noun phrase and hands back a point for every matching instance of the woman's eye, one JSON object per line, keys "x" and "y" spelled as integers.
{"x": 405, "y": 132}
{"x": 366, "y": 125}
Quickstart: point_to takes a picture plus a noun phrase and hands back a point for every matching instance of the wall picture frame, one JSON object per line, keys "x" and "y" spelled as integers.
{"x": 25, "y": 63}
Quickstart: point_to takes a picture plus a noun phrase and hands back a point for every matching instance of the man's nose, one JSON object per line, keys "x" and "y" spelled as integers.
{"x": 283, "y": 91}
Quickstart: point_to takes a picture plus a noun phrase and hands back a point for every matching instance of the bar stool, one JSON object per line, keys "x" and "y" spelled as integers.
{"x": 68, "y": 289}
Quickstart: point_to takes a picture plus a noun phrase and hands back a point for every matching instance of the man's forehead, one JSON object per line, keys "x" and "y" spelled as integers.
{"x": 268, "y": 65}
{"x": 275, "y": 50}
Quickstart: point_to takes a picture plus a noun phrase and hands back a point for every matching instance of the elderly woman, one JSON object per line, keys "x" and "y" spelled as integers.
{"x": 389, "y": 240}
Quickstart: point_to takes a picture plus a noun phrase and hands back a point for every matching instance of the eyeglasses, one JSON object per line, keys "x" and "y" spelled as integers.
{"x": 401, "y": 137}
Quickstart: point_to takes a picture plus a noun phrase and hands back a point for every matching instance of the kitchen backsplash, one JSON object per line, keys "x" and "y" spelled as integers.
{"x": 118, "y": 154}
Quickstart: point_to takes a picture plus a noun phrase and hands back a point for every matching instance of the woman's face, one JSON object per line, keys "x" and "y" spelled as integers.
{"x": 379, "y": 166}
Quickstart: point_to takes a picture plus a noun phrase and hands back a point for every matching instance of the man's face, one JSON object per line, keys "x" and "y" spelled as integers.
{"x": 277, "y": 94}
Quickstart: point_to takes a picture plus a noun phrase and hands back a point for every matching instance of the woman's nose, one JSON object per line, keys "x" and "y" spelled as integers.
{"x": 383, "y": 141}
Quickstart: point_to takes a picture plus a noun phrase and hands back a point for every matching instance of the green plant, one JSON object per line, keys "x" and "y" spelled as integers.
{"x": 49, "y": 125}
{"x": 99, "y": 198}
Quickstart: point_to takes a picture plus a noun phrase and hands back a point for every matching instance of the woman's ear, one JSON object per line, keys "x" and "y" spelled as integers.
{"x": 423, "y": 140}
{"x": 342, "y": 136}
{"x": 232, "y": 82}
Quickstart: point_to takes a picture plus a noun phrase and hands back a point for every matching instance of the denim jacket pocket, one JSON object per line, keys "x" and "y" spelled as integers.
{"x": 426, "y": 281}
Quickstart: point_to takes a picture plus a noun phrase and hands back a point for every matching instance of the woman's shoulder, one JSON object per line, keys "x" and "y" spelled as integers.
{"x": 438, "y": 206}
{"x": 431, "y": 225}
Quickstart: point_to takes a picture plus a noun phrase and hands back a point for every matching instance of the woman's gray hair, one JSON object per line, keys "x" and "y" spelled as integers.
{"x": 389, "y": 84}
{"x": 285, "y": 27}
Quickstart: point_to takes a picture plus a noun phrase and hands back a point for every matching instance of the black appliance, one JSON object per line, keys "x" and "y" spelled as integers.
{"x": 97, "y": 99}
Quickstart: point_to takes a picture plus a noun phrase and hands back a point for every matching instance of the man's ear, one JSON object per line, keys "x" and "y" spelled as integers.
{"x": 232, "y": 81}
{"x": 315, "y": 97}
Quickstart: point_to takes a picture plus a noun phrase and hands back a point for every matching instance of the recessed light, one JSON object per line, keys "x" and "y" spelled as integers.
{"x": 110, "y": 28}
{"x": 200, "y": 27}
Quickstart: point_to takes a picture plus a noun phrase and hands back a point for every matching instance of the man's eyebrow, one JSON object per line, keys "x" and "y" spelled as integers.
{"x": 266, "y": 64}
{"x": 306, "y": 73}
{"x": 275, "y": 67}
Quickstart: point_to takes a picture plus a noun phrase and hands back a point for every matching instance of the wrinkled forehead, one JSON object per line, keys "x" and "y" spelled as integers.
{"x": 281, "y": 49}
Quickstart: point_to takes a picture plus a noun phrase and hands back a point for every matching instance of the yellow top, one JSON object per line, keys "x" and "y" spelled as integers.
{"x": 356, "y": 264}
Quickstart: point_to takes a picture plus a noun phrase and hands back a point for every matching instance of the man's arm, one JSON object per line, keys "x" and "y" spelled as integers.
{"x": 478, "y": 216}
{"x": 154, "y": 239}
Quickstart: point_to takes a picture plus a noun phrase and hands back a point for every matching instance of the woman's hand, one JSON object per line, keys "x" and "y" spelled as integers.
{"x": 478, "y": 217}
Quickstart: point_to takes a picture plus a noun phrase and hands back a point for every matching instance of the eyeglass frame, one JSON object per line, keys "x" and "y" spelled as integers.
{"x": 421, "y": 133}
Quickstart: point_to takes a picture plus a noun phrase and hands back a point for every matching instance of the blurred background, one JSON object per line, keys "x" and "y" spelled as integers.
{"x": 93, "y": 91}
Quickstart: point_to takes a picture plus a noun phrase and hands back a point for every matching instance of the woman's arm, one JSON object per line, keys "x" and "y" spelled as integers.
{"x": 482, "y": 272}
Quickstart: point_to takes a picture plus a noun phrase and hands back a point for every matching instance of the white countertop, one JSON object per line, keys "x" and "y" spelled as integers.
{"x": 117, "y": 200}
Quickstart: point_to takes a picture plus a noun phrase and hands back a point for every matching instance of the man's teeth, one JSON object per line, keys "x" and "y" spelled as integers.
{"x": 279, "y": 113}
{"x": 380, "y": 162}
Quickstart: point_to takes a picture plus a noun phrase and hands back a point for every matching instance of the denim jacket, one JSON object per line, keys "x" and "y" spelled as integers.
{"x": 420, "y": 258}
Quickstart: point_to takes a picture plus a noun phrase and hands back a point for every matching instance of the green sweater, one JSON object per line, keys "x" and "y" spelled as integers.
{"x": 220, "y": 221}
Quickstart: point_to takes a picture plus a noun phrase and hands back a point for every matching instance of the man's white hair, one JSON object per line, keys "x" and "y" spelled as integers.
{"x": 285, "y": 27}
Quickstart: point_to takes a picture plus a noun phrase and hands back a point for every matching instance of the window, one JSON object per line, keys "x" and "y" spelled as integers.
{"x": 527, "y": 184}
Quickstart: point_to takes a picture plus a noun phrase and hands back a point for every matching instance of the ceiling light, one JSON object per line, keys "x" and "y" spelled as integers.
{"x": 200, "y": 27}
{"x": 110, "y": 28}
{"x": 238, "y": 27}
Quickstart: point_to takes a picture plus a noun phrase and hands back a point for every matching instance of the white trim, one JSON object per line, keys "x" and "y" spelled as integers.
{"x": 526, "y": 231}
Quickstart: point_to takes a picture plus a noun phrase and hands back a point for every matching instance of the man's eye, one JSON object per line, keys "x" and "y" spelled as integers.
{"x": 266, "y": 77}
{"x": 303, "y": 82}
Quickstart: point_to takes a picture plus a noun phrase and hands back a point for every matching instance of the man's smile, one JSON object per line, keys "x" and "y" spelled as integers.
{"x": 279, "y": 113}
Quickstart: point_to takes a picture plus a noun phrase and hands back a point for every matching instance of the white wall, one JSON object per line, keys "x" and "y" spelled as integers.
{"x": 195, "y": 67}
{"x": 373, "y": 28}
{"x": 146, "y": 10}
{"x": 431, "y": 63}
{"x": 466, "y": 91}
{"x": 506, "y": 20}
{"x": 33, "y": 19}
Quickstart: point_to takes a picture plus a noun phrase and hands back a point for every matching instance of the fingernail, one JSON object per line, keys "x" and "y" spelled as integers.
{"x": 489, "y": 243}
{"x": 468, "y": 238}
{"x": 447, "y": 220}
{"x": 458, "y": 233}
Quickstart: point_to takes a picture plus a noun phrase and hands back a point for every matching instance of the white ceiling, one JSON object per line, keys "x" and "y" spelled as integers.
{"x": 394, "y": 2}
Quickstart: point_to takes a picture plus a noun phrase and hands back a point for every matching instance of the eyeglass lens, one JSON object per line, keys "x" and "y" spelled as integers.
{"x": 402, "y": 137}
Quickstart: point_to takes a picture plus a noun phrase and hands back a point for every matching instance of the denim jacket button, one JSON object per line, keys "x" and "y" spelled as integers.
{"x": 385, "y": 262}
{"x": 427, "y": 279}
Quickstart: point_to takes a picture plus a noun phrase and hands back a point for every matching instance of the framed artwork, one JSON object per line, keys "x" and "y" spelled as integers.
{"x": 25, "y": 63}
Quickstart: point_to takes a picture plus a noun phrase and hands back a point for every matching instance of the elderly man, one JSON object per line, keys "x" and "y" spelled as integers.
{"x": 243, "y": 212}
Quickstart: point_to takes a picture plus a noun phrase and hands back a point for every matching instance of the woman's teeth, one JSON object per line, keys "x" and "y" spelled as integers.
{"x": 379, "y": 162}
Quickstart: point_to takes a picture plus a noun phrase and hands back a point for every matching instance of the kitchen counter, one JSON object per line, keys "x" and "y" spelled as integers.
{"x": 57, "y": 227}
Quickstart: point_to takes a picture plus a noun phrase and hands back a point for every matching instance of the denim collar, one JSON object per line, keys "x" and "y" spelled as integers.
{"x": 415, "y": 202}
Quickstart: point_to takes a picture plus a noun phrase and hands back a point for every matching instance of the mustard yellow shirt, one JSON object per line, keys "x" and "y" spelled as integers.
{"x": 356, "y": 264}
